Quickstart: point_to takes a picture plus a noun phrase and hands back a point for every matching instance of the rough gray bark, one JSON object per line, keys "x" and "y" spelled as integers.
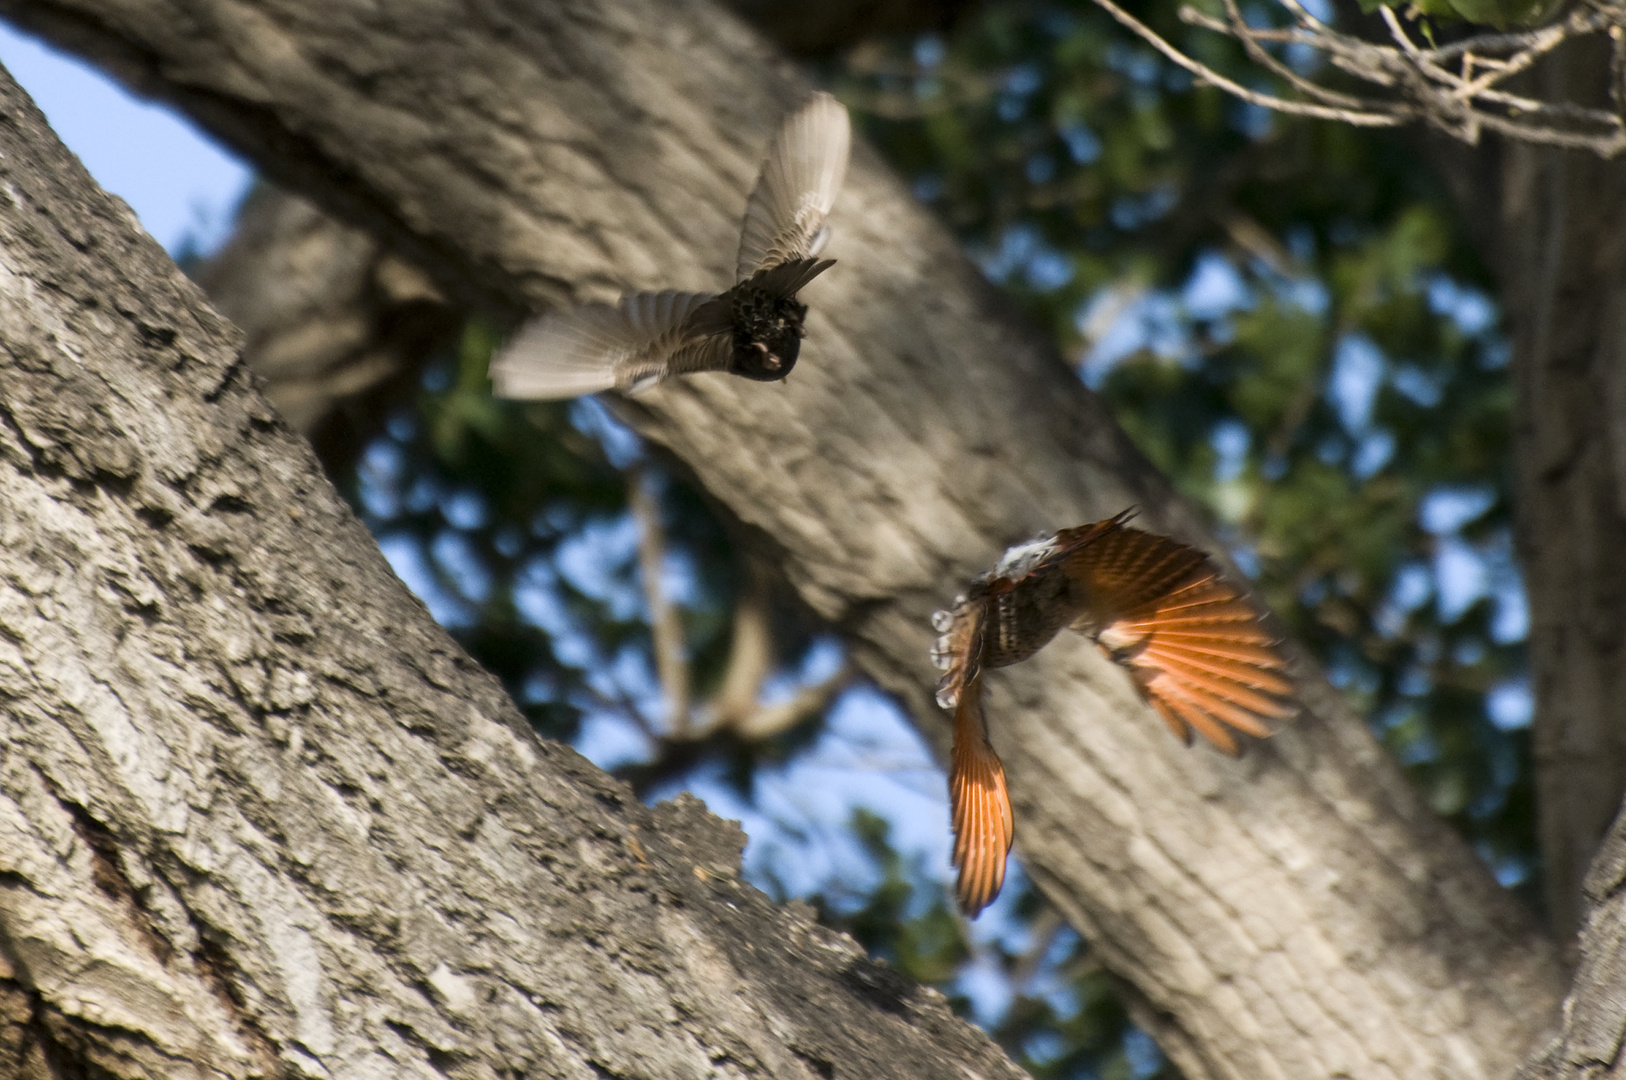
{"x": 1298, "y": 914}
{"x": 260, "y": 816}
{"x": 1588, "y": 1045}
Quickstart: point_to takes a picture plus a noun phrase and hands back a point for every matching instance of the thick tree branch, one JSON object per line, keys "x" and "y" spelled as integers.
{"x": 1298, "y": 914}
{"x": 259, "y": 815}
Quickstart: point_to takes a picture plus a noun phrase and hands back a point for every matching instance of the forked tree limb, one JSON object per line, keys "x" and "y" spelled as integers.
{"x": 1300, "y": 914}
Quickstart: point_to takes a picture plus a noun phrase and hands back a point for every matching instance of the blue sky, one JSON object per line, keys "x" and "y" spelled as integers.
{"x": 179, "y": 182}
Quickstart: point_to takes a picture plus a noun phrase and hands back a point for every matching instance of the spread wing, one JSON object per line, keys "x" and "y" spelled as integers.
{"x": 644, "y": 338}
{"x": 784, "y": 218}
{"x": 979, "y": 806}
{"x": 1193, "y": 643}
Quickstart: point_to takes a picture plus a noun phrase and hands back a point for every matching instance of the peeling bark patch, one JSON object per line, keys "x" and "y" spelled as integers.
{"x": 216, "y": 966}
{"x": 107, "y": 871}
{"x": 821, "y": 1066}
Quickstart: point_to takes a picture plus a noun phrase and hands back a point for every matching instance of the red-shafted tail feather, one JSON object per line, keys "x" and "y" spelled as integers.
{"x": 1194, "y": 645}
{"x": 979, "y": 806}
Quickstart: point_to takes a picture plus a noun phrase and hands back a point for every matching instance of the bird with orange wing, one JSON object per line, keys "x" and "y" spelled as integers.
{"x": 1193, "y": 644}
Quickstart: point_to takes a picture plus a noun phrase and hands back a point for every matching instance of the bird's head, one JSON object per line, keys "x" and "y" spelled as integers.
{"x": 767, "y": 361}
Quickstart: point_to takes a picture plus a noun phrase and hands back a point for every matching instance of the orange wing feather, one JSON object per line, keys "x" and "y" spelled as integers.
{"x": 1195, "y": 646}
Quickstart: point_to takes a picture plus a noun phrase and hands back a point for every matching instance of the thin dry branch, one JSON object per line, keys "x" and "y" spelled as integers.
{"x": 810, "y": 701}
{"x": 675, "y": 756}
{"x": 1360, "y": 118}
{"x": 1411, "y": 82}
{"x": 750, "y": 655}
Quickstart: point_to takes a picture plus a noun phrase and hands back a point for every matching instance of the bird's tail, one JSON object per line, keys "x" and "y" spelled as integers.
{"x": 978, "y": 805}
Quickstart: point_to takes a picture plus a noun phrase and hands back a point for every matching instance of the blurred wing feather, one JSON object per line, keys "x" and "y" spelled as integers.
{"x": 787, "y": 279}
{"x": 958, "y": 650}
{"x": 1129, "y": 568}
{"x": 642, "y": 339}
{"x": 784, "y": 217}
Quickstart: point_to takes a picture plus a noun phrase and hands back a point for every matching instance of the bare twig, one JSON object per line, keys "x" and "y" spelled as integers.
{"x": 1042, "y": 934}
{"x": 1251, "y": 37}
{"x": 1412, "y": 82}
{"x": 620, "y": 703}
{"x": 1236, "y": 89}
{"x": 808, "y": 702}
{"x": 1258, "y": 241}
{"x": 674, "y": 757}
{"x": 1398, "y": 32}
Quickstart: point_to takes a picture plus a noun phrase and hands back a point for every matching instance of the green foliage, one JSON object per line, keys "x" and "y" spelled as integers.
{"x": 1498, "y": 13}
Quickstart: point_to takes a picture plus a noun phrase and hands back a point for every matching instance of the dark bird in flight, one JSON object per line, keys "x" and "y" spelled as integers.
{"x": 1194, "y": 646}
{"x": 754, "y": 329}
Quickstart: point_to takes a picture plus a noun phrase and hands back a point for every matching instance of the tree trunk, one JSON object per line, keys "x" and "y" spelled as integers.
{"x": 260, "y": 816}
{"x": 1297, "y": 914}
{"x": 1545, "y": 221}
{"x": 1564, "y": 274}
